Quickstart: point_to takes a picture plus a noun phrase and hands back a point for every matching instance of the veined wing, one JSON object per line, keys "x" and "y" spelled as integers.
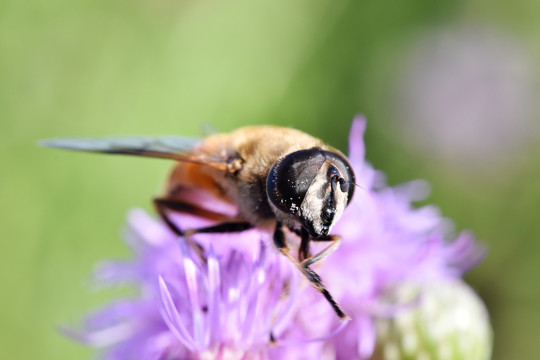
{"x": 166, "y": 147}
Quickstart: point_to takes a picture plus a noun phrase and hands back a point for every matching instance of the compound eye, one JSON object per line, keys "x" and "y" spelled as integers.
{"x": 344, "y": 177}
{"x": 290, "y": 178}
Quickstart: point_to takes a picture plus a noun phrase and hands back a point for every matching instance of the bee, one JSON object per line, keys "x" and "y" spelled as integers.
{"x": 277, "y": 178}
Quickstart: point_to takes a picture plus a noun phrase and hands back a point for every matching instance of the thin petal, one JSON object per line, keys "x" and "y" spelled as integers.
{"x": 366, "y": 337}
{"x": 172, "y": 318}
{"x": 356, "y": 139}
{"x": 330, "y": 335}
{"x": 289, "y": 307}
{"x": 190, "y": 272}
{"x": 214, "y": 292}
{"x": 99, "y": 338}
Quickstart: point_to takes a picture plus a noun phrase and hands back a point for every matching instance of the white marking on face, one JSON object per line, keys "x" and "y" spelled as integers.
{"x": 315, "y": 200}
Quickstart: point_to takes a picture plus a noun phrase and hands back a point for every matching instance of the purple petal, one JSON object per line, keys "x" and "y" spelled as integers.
{"x": 356, "y": 139}
{"x": 99, "y": 338}
{"x": 325, "y": 337}
{"x": 214, "y": 292}
{"x": 190, "y": 273}
{"x": 289, "y": 307}
{"x": 172, "y": 318}
{"x": 366, "y": 337}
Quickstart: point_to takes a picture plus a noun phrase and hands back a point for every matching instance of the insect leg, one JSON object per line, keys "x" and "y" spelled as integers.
{"x": 303, "y": 250}
{"x": 162, "y": 205}
{"x": 335, "y": 241}
{"x": 226, "y": 227}
{"x": 314, "y": 279}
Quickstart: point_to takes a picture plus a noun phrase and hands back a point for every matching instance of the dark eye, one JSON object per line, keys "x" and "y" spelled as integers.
{"x": 344, "y": 178}
{"x": 291, "y": 176}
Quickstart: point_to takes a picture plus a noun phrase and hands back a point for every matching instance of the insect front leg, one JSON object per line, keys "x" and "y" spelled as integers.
{"x": 164, "y": 205}
{"x": 312, "y": 276}
{"x": 335, "y": 241}
{"x": 303, "y": 250}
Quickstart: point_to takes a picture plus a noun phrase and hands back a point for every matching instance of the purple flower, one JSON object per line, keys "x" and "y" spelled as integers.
{"x": 467, "y": 96}
{"x": 246, "y": 301}
{"x": 387, "y": 242}
{"x": 223, "y": 308}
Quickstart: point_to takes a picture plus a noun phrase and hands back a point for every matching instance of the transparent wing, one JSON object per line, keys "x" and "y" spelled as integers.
{"x": 167, "y": 147}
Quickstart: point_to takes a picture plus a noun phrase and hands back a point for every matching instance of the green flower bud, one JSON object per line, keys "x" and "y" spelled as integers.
{"x": 442, "y": 319}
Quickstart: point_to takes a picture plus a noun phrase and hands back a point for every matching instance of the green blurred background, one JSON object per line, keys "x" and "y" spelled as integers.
{"x": 126, "y": 67}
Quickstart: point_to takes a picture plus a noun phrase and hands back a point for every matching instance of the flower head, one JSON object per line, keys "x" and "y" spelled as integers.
{"x": 467, "y": 97}
{"x": 246, "y": 301}
{"x": 224, "y": 307}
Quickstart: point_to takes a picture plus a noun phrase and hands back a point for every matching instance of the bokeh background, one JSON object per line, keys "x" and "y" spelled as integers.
{"x": 450, "y": 89}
